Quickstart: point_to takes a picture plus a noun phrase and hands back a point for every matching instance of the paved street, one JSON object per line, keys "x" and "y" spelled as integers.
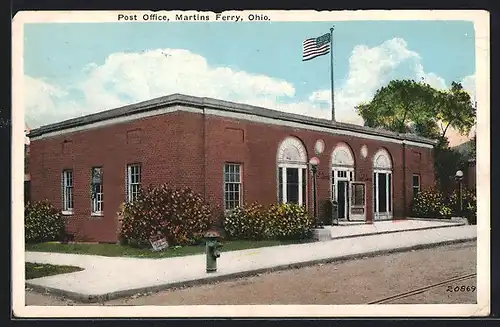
{"x": 353, "y": 282}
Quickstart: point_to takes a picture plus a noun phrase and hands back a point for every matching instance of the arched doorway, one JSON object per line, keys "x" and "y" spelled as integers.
{"x": 382, "y": 185}
{"x": 292, "y": 172}
{"x": 342, "y": 176}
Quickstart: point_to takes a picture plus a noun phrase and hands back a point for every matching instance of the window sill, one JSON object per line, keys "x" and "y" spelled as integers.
{"x": 97, "y": 214}
{"x": 67, "y": 213}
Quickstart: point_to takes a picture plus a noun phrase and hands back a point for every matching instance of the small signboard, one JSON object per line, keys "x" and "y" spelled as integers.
{"x": 212, "y": 234}
{"x": 159, "y": 243}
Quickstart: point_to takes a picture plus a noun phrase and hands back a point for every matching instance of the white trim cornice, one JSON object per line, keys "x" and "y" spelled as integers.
{"x": 254, "y": 118}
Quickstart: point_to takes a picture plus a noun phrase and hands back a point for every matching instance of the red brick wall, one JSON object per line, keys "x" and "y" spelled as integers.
{"x": 151, "y": 141}
{"x": 187, "y": 149}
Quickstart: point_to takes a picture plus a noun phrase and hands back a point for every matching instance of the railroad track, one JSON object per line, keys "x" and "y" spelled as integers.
{"x": 421, "y": 289}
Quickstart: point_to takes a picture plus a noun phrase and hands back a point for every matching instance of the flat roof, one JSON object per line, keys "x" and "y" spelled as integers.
{"x": 210, "y": 103}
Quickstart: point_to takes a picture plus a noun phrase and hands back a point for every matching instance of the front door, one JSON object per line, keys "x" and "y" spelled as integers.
{"x": 342, "y": 199}
{"x": 357, "y": 209}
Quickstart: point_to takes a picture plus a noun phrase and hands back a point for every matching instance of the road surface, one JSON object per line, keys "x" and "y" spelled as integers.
{"x": 352, "y": 282}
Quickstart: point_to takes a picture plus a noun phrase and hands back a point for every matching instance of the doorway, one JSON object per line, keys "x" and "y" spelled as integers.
{"x": 342, "y": 200}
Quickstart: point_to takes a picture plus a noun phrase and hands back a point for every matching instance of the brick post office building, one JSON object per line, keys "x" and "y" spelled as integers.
{"x": 230, "y": 153}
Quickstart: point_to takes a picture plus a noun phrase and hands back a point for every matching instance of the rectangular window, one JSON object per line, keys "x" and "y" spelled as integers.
{"x": 232, "y": 186}
{"x": 416, "y": 184}
{"x": 97, "y": 195}
{"x": 292, "y": 185}
{"x": 133, "y": 181}
{"x": 67, "y": 184}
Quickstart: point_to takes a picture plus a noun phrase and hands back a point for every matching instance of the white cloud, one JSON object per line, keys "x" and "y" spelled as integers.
{"x": 131, "y": 77}
{"x": 469, "y": 84}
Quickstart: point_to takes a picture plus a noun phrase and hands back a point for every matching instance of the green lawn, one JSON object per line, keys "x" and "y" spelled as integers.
{"x": 116, "y": 250}
{"x": 37, "y": 270}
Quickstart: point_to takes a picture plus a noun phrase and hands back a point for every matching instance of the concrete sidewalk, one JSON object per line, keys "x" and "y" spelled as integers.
{"x": 106, "y": 278}
{"x": 356, "y": 229}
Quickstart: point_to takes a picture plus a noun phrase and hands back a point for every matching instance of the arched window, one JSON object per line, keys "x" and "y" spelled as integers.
{"x": 292, "y": 171}
{"x": 342, "y": 173}
{"x": 382, "y": 185}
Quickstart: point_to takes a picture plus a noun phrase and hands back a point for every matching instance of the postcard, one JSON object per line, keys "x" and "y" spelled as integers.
{"x": 251, "y": 164}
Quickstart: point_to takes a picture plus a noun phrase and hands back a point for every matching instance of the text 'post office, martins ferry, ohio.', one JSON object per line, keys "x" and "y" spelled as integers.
{"x": 228, "y": 152}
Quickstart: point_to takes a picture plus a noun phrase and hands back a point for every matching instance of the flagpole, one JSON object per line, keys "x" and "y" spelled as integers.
{"x": 331, "y": 75}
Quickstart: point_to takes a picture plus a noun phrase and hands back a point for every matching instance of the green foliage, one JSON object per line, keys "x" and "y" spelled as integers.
{"x": 430, "y": 203}
{"x": 399, "y": 105}
{"x": 407, "y": 106}
{"x": 43, "y": 222}
{"x": 180, "y": 215}
{"x": 278, "y": 221}
{"x": 446, "y": 163}
{"x": 289, "y": 221}
{"x": 456, "y": 109}
{"x": 469, "y": 204}
{"x": 247, "y": 222}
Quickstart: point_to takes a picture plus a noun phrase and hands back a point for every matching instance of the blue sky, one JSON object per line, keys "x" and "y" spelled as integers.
{"x": 67, "y": 61}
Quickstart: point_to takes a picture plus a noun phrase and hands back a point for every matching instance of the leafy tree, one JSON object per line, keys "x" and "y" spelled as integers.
{"x": 407, "y": 106}
{"x": 401, "y": 106}
{"x": 456, "y": 110}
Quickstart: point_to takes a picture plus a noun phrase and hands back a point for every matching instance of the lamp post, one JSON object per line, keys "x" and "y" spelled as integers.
{"x": 313, "y": 163}
{"x": 459, "y": 175}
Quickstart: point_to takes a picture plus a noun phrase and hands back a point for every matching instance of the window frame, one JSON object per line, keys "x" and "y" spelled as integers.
{"x": 130, "y": 192}
{"x": 417, "y": 187}
{"x": 302, "y": 184}
{"x": 67, "y": 192}
{"x": 96, "y": 198}
{"x": 238, "y": 184}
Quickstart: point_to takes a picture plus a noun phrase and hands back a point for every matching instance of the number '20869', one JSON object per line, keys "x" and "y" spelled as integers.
{"x": 461, "y": 288}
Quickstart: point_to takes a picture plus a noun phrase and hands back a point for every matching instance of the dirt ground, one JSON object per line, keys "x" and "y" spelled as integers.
{"x": 352, "y": 282}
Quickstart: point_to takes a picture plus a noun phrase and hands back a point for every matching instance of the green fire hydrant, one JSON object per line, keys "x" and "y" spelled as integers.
{"x": 212, "y": 250}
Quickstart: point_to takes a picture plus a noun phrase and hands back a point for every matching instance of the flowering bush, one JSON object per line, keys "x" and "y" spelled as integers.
{"x": 247, "y": 222}
{"x": 180, "y": 215}
{"x": 279, "y": 221}
{"x": 469, "y": 204}
{"x": 289, "y": 221}
{"x": 43, "y": 222}
{"x": 431, "y": 203}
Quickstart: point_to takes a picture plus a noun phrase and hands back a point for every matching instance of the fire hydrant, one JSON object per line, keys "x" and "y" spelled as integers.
{"x": 212, "y": 250}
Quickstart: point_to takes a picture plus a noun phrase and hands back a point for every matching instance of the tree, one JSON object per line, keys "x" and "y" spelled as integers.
{"x": 401, "y": 106}
{"x": 407, "y": 106}
{"x": 456, "y": 110}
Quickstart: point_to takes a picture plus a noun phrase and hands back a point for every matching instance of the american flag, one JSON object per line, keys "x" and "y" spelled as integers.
{"x": 315, "y": 47}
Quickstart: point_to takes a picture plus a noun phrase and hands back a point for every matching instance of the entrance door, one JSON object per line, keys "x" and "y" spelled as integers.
{"x": 382, "y": 193}
{"x": 357, "y": 195}
{"x": 342, "y": 199}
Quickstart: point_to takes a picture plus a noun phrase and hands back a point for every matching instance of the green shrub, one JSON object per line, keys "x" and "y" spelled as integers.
{"x": 289, "y": 221}
{"x": 43, "y": 222}
{"x": 180, "y": 215}
{"x": 469, "y": 204}
{"x": 279, "y": 221}
{"x": 247, "y": 222}
{"x": 431, "y": 203}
